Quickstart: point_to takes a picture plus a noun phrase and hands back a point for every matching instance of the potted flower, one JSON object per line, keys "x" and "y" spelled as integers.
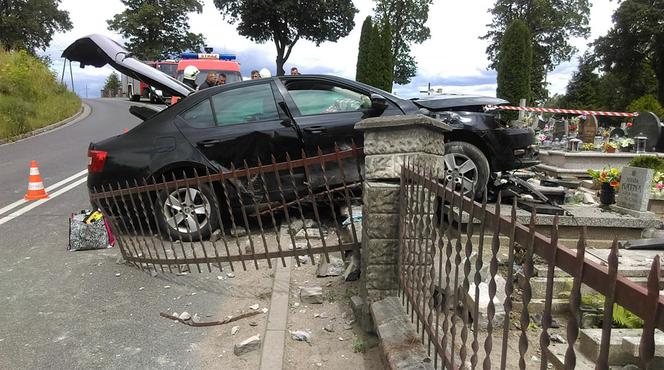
{"x": 609, "y": 181}
{"x": 611, "y": 147}
{"x": 586, "y": 147}
{"x": 626, "y": 144}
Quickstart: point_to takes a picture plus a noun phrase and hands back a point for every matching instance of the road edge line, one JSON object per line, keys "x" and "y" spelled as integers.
{"x": 37, "y": 203}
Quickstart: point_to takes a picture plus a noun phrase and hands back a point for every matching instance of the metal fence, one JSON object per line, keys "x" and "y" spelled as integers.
{"x": 449, "y": 282}
{"x": 196, "y": 220}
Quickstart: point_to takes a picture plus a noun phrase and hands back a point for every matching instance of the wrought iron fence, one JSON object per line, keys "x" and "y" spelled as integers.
{"x": 193, "y": 219}
{"x": 452, "y": 284}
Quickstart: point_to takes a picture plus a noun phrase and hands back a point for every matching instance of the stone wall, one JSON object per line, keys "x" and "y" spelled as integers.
{"x": 389, "y": 143}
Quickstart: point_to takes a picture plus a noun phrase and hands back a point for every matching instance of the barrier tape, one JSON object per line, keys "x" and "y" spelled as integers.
{"x": 565, "y": 111}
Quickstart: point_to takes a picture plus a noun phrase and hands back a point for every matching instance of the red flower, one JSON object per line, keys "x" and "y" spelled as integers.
{"x": 614, "y": 184}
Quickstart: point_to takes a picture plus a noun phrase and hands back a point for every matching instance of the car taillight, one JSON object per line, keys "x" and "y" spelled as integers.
{"x": 96, "y": 160}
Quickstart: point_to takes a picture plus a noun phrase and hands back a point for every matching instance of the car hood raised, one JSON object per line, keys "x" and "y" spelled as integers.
{"x": 98, "y": 50}
{"x": 438, "y": 102}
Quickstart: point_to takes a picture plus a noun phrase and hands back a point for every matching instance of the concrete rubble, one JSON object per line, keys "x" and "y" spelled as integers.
{"x": 312, "y": 295}
{"x": 334, "y": 268}
{"x": 248, "y": 345}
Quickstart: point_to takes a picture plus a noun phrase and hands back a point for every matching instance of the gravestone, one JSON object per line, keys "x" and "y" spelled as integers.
{"x": 635, "y": 189}
{"x": 588, "y": 129}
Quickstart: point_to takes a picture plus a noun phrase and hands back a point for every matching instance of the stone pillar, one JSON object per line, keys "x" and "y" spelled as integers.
{"x": 389, "y": 143}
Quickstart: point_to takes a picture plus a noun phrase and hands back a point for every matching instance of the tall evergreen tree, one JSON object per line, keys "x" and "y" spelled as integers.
{"x": 515, "y": 63}
{"x": 582, "y": 88}
{"x": 363, "y": 68}
{"x": 386, "y": 57}
{"x": 112, "y": 84}
{"x": 30, "y": 25}
{"x": 552, "y": 23}
{"x": 407, "y": 19}
{"x": 157, "y": 29}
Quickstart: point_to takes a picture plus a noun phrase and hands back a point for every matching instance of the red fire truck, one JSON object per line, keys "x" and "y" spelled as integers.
{"x": 136, "y": 89}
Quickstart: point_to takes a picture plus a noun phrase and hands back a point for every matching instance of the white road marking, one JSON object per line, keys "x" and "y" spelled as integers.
{"x": 41, "y": 201}
{"x": 48, "y": 189}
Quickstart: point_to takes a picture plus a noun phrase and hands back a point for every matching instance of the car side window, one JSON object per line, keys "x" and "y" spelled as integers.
{"x": 245, "y": 104}
{"x": 200, "y": 115}
{"x": 321, "y": 98}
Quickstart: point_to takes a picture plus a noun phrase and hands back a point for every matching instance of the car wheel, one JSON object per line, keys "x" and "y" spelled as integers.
{"x": 468, "y": 166}
{"x": 187, "y": 213}
{"x": 135, "y": 98}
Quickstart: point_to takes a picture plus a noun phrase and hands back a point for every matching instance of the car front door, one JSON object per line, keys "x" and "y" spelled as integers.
{"x": 238, "y": 125}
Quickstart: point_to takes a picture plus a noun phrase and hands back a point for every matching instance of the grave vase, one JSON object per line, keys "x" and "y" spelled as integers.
{"x": 607, "y": 194}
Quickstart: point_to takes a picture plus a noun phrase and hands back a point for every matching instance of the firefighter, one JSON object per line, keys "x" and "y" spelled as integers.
{"x": 265, "y": 73}
{"x": 189, "y": 77}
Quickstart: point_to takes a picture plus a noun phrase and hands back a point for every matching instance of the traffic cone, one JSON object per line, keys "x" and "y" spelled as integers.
{"x": 35, "y": 185}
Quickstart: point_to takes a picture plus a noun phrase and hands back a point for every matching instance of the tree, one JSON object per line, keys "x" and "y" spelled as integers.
{"x": 112, "y": 84}
{"x": 285, "y": 22}
{"x": 647, "y": 103}
{"x": 552, "y": 23}
{"x": 363, "y": 68}
{"x": 407, "y": 19}
{"x": 157, "y": 29}
{"x": 633, "y": 50}
{"x": 30, "y": 25}
{"x": 514, "y": 63}
{"x": 374, "y": 57}
{"x": 582, "y": 88}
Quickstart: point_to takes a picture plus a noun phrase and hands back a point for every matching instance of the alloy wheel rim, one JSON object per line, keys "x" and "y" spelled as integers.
{"x": 462, "y": 170}
{"x": 187, "y": 210}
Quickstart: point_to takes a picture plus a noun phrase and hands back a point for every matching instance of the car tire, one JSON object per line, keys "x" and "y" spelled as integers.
{"x": 175, "y": 213}
{"x": 135, "y": 98}
{"x": 467, "y": 165}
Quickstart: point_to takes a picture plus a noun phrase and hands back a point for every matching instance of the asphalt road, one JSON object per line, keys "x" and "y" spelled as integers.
{"x": 69, "y": 310}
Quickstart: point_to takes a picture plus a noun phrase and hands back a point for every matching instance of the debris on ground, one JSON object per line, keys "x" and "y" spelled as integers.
{"x": 247, "y": 345}
{"x": 557, "y": 338}
{"x": 352, "y": 271}
{"x": 334, "y": 268}
{"x": 313, "y": 295}
{"x": 301, "y": 336}
{"x": 185, "y": 316}
{"x": 254, "y": 306}
{"x": 190, "y": 322}
{"x": 230, "y": 275}
{"x": 234, "y": 330}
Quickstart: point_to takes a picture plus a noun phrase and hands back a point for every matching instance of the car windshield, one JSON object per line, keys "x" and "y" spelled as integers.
{"x": 231, "y": 76}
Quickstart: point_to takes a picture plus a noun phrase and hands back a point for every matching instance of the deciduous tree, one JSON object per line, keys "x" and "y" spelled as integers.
{"x": 582, "y": 88}
{"x": 112, "y": 84}
{"x": 633, "y": 50}
{"x": 285, "y": 22}
{"x": 552, "y": 23}
{"x": 407, "y": 19}
{"x": 157, "y": 29}
{"x": 30, "y": 25}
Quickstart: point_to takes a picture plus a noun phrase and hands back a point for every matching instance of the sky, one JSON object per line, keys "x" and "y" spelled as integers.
{"x": 453, "y": 59}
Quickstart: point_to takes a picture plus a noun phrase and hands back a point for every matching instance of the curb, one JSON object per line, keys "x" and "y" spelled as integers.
{"x": 83, "y": 111}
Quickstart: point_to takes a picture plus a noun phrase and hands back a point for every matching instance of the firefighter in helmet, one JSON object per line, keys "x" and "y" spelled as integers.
{"x": 189, "y": 77}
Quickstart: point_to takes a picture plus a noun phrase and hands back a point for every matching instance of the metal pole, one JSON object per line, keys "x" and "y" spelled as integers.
{"x": 522, "y": 114}
{"x": 71, "y": 75}
{"x": 64, "y": 67}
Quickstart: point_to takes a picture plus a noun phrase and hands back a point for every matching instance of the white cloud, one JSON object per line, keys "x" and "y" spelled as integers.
{"x": 453, "y": 58}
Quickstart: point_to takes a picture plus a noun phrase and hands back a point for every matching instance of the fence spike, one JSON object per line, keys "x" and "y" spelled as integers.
{"x": 574, "y": 303}
{"x": 607, "y": 323}
{"x": 550, "y": 274}
{"x": 647, "y": 343}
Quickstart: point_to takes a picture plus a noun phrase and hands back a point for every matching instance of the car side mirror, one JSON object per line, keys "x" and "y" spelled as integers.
{"x": 378, "y": 105}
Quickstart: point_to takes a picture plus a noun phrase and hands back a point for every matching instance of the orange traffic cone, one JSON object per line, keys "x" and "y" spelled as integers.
{"x": 35, "y": 184}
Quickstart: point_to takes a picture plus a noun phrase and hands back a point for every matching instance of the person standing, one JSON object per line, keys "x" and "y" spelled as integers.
{"x": 255, "y": 75}
{"x": 221, "y": 79}
{"x": 210, "y": 80}
{"x": 189, "y": 76}
{"x": 294, "y": 71}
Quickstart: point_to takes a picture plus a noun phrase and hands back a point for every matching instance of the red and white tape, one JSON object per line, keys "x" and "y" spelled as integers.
{"x": 565, "y": 111}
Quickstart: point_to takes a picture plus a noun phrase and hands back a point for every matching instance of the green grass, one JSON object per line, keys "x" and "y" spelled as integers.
{"x": 30, "y": 95}
{"x": 359, "y": 346}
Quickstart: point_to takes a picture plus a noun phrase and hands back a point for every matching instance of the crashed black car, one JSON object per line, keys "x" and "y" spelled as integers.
{"x": 224, "y": 125}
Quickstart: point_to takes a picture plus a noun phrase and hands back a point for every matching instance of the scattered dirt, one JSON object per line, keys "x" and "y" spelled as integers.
{"x": 355, "y": 349}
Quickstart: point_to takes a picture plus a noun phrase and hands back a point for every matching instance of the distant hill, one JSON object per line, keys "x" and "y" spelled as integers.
{"x": 30, "y": 95}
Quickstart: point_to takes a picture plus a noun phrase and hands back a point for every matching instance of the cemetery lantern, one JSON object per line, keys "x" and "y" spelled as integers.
{"x": 640, "y": 143}
{"x": 575, "y": 145}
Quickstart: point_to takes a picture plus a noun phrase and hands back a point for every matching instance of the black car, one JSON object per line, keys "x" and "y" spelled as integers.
{"x": 252, "y": 120}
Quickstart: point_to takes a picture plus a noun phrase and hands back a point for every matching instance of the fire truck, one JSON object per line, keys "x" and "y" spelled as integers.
{"x": 135, "y": 89}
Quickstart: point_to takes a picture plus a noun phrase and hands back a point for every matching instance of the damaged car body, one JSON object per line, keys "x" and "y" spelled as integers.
{"x": 249, "y": 122}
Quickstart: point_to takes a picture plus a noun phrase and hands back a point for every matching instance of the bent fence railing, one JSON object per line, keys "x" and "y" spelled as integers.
{"x": 452, "y": 284}
{"x": 295, "y": 207}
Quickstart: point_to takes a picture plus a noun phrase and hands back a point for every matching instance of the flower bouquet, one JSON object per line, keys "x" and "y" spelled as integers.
{"x": 609, "y": 181}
